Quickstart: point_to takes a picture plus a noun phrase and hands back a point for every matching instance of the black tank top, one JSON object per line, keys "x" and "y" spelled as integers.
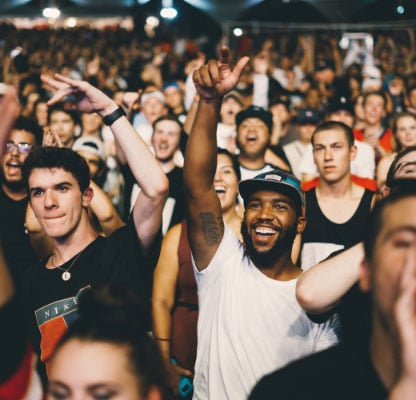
{"x": 322, "y": 236}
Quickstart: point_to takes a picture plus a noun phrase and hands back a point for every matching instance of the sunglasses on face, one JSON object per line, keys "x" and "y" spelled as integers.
{"x": 23, "y": 148}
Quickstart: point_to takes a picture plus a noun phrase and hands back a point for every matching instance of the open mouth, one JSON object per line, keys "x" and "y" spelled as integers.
{"x": 265, "y": 231}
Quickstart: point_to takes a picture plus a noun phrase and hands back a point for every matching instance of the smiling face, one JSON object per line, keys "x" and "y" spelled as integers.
{"x": 13, "y": 160}
{"x": 96, "y": 370}
{"x": 57, "y": 201}
{"x": 226, "y": 182}
{"x": 269, "y": 227}
{"x": 332, "y": 155}
{"x": 253, "y": 137}
{"x": 374, "y": 109}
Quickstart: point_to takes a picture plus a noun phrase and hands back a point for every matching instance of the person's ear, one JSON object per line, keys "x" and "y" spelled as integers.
{"x": 301, "y": 224}
{"x": 87, "y": 196}
{"x": 364, "y": 279}
{"x": 353, "y": 152}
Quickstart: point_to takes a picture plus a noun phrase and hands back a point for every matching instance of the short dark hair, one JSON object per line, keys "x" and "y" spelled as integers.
{"x": 67, "y": 108}
{"x": 116, "y": 315}
{"x": 57, "y": 157}
{"x": 375, "y": 223}
{"x": 337, "y": 126}
{"x": 28, "y": 125}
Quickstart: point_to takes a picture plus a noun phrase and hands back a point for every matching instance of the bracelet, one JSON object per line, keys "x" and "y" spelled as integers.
{"x": 162, "y": 339}
{"x": 114, "y": 116}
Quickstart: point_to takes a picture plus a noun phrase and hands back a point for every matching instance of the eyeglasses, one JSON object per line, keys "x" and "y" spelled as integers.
{"x": 23, "y": 148}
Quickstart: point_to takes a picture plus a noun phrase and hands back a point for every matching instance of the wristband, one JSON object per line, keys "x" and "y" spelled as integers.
{"x": 114, "y": 116}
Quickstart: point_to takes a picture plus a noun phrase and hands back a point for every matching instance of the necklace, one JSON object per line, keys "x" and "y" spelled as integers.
{"x": 66, "y": 275}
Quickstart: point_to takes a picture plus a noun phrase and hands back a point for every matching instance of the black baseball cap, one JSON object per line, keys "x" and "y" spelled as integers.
{"x": 338, "y": 104}
{"x": 255, "y": 112}
{"x": 307, "y": 116}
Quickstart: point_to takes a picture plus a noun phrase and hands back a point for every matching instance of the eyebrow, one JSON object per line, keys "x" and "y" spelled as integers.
{"x": 400, "y": 229}
{"x": 55, "y": 186}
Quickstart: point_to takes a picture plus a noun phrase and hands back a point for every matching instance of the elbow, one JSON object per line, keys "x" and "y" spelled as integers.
{"x": 160, "y": 189}
{"x": 163, "y": 188}
{"x": 306, "y": 297}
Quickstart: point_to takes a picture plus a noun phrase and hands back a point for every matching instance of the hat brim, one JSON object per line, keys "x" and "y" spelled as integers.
{"x": 250, "y": 186}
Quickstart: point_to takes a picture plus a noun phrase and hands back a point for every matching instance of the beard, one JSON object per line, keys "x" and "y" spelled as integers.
{"x": 267, "y": 258}
{"x": 14, "y": 186}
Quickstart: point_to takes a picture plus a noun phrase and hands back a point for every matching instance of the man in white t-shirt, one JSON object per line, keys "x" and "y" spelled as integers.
{"x": 249, "y": 320}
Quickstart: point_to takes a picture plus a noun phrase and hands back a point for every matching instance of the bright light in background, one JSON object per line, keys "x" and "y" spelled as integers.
{"x": 152, "y": 21}
{"x": 168, "y": 11}
{"x": 51, "y": 12}
{"x": 344, "y": 43}
{"x": 237, "y": 32}
{"x": 400, "y": 10}
{"x": 71, "y": 22}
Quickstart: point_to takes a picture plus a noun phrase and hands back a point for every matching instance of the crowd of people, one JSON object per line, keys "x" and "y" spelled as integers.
{"x": 175, "y": 226}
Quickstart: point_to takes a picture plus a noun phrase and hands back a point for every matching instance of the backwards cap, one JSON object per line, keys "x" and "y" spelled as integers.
{"x": 278, "y": 181}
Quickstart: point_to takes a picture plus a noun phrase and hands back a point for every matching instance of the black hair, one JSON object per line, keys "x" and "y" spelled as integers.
{"x": 337, "y": 126}
{"x": 401, "y": 189}
{"x": 67, "y": 108}
{"x": 28, "y": 125}
{"x": 57, "y": 157}
{"x": 236, "y": 165}
{"x": 395, "y": 162}
{"x": 115, "y": 314}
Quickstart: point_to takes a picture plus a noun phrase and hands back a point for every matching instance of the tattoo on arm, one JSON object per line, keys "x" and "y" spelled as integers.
{"x": 212, "y": 227}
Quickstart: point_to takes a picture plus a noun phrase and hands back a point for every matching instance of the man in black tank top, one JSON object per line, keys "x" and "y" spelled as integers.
{"x": 337, "y": 208}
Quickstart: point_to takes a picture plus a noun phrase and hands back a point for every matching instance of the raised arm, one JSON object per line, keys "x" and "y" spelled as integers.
{"x": 147, "y": 211}
{"x": 321, "y": 287}
{"x": 205, "y": 224}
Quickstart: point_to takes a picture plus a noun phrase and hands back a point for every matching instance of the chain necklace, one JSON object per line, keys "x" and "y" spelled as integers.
{"x": 66, "y": 275}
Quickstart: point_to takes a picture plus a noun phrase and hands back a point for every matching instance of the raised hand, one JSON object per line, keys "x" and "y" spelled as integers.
{"x": 87, "y": 97}
{"x": 216, "y": 78}
{"x": 405, "y": 318}
{"x": 51, "y": 138}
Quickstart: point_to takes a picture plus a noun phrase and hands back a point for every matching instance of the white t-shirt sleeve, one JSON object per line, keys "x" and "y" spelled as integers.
{"x": 307, "y": 165}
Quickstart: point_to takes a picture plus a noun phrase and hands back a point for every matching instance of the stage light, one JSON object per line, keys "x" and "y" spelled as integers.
{"x": 51, "y": 12}
{"x": 400, "y": 10}
{"x": 237, "y": 32}
{"x": 168, "y": 11}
